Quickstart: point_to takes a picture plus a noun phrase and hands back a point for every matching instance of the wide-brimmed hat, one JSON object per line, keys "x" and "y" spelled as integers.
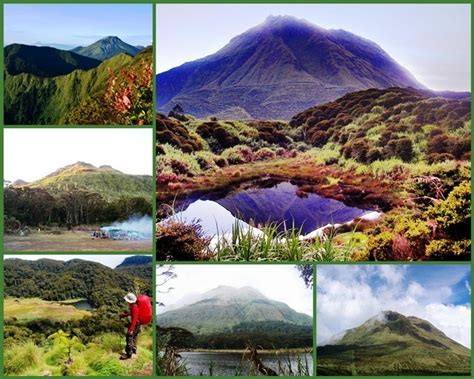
{"x": 130, "y": 298}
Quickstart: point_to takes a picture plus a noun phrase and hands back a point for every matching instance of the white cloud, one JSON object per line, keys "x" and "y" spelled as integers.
{"x": 345, "y": 299}
{"x": 277, "y": 282}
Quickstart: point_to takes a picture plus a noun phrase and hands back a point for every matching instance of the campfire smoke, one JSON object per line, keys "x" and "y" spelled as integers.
{"x": 135, "y": 228}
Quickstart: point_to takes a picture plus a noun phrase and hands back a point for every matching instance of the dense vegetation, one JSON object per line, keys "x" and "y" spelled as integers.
{"x": 87, "y": 345}
{"x": 117, "y": 91}
{"x": 404, "y": 152}
{"x": 77, "y": 194}
{"x": 44, "y": 61}
{"x": 56, "y": 280}
{"x": 266, "y": 334}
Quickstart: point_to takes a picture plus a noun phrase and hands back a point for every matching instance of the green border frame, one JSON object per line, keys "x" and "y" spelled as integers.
{"x": 153, "y": 252}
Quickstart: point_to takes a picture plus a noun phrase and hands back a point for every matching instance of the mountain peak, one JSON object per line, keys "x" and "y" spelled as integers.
{"x": 391, "y": 340}
{"x": 224, "y": 292}
{"x": 106, "y": 48}
{"x": 277, "y": 69}
{"x": 110, "y": 39}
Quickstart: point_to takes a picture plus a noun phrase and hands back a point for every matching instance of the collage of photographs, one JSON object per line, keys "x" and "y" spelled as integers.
{"x": 210, "y": 189}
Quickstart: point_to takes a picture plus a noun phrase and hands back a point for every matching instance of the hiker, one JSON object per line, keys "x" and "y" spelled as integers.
{"x": 140, "y": 313}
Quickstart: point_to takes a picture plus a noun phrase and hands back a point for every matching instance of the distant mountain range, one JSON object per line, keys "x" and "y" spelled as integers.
{"x": 106, "y": 48}
{"x": 223, "y": 308}
{"x": 51, "y": 279}
{"x": 105, "y": 180}
{"x": 44, "y": 61}
{"x": 277, "y": 69}
{"x": 393, "y": 344}
{"x": 44, "y": 85}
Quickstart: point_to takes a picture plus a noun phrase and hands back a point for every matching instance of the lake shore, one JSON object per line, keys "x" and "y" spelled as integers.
{"x": 243, "y": 351}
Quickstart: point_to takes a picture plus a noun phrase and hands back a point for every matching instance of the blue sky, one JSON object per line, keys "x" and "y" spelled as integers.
{"x": 438, "y": 293}
{"x": 71, "y": 25}
{"x": 127, "y": 150}
{"x": 433, "y": 41}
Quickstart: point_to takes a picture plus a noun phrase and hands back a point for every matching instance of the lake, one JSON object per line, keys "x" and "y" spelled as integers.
{"x": 260, "y": 204}
{"x": 81, "y": 304}
{"x": 230, "y": 364}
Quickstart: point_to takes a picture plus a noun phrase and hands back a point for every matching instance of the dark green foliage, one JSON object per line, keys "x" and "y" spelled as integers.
{"x": 402, "y": 148}
{"x": 44, "y": 61}
{"x": 400, "y": 111}
{"x": 273, "y": 132}
{"x": 36, "y": 207}
{"x": 56, "y": 280}
{"x": 218, "y": 137}
{"x": 171, "y": 131}
{"x": 266, "y": 334}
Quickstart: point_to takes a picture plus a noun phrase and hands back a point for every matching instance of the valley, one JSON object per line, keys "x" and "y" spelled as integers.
{"x": 45, "y": 85}
{"x": 61, "y": 317}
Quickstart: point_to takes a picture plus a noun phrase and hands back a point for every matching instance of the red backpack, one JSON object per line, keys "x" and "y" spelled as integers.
{"x": 145, "y": 310}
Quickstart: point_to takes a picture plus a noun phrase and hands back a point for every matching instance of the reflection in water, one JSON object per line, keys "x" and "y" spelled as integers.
{"x": 234, "y": 364}
{"x": 257, "y": 206}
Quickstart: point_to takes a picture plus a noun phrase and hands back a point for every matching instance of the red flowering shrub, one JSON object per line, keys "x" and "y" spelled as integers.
{"x": 129, "y": 95}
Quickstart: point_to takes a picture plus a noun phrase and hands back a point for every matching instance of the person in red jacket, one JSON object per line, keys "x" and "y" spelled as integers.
{"x": 140, "y": 313}
{"x": 133, "y": 328}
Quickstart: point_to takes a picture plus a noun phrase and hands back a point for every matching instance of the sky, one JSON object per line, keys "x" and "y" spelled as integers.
{"x": 348, "y": 295}
{"x": 31, "y": 154}
{"x": 71, "y": 25}
{"x": 107, "y": 260}
{"x": 277, "y": 282}
{"x": 432, "y": 41}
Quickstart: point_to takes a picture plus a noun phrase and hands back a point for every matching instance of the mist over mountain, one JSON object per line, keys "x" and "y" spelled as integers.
{"x": 393, "y": 344}
{"x": 225, "y": 307}
{"x": 278, "y": 69}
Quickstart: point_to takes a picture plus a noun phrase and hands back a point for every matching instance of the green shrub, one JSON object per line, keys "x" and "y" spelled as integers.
{"x": 21, "y": 358}
{"x": 105, "y": 365}
{"x": 448, "y": 250}
{"x": 111, "y": 342}
{"x": 380, "y": 246}
{"x": 453, "y": 215}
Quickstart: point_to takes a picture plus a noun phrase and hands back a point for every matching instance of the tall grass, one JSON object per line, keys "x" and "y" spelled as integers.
{"x": 21, "y": 357}
{"x": 271, "y": 244}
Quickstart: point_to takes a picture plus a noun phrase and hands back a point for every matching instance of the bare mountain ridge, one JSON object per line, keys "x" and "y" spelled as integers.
{"x": 278, "y": 69}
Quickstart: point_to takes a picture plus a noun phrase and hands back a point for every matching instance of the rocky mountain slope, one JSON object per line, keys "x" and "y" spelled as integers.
{"x": 277, "y": 69}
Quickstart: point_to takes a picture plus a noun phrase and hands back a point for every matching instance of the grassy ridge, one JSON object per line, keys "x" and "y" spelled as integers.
{"x": 31, "y": 99}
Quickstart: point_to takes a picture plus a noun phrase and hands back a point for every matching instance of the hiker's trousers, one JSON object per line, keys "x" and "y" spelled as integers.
{"x": 131, "y": 339}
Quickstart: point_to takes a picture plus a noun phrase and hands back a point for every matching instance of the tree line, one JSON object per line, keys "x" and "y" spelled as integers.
{"x": 37, "y": 207}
